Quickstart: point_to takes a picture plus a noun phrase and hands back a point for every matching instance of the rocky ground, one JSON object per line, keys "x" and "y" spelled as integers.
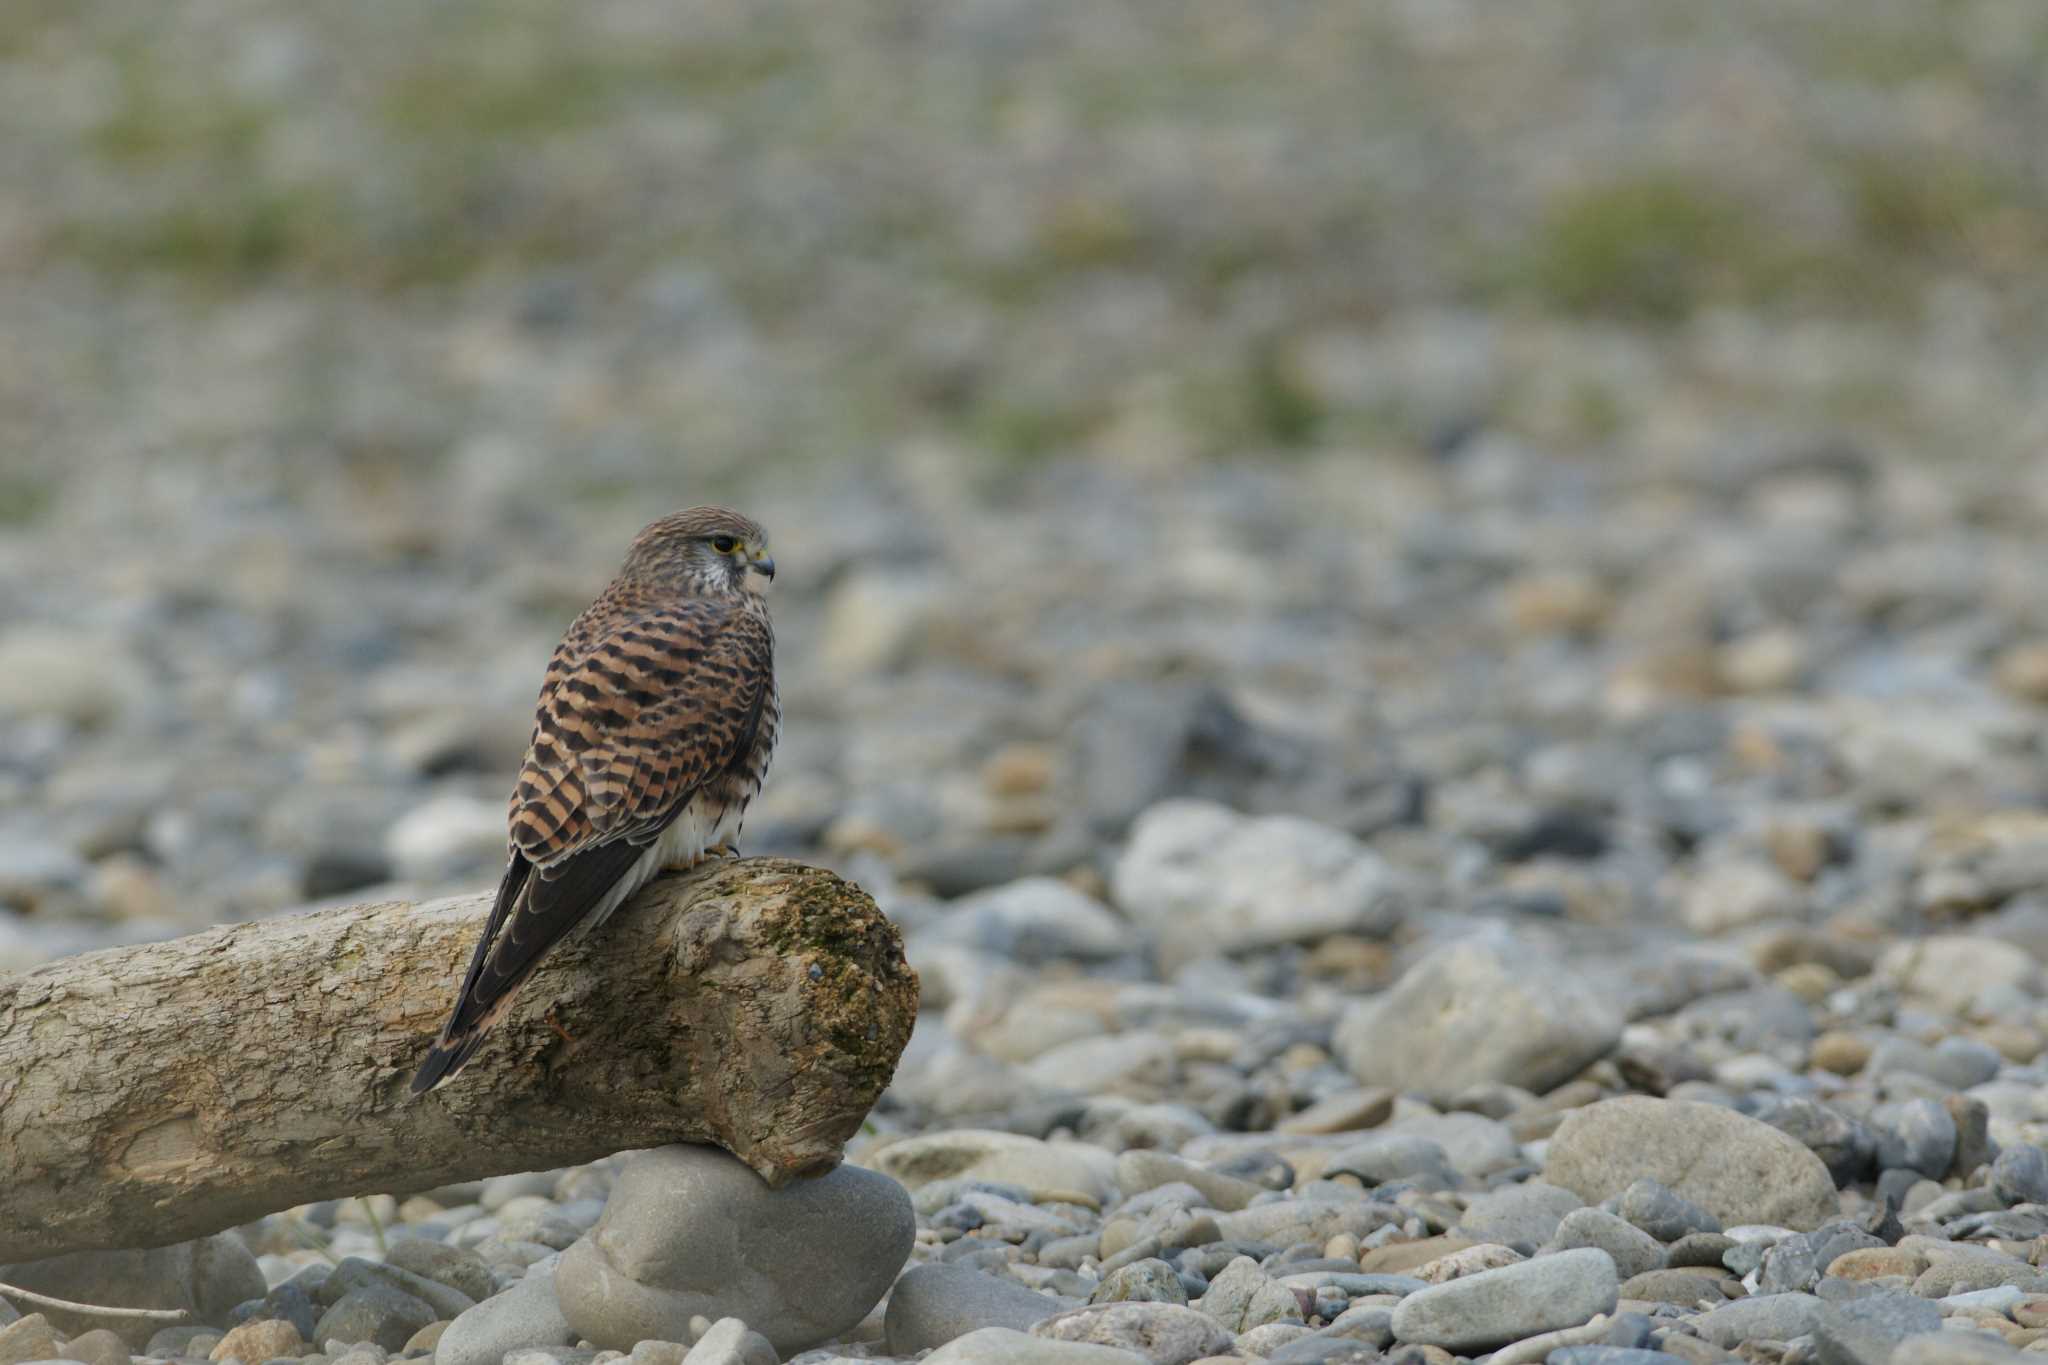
{"x": 1433, "y": 623}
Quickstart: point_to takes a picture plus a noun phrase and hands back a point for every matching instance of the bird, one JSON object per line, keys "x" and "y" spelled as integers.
{"x": 657, "y": 718}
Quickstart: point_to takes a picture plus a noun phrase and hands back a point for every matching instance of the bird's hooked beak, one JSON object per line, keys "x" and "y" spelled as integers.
{"x": 763, "y": 564}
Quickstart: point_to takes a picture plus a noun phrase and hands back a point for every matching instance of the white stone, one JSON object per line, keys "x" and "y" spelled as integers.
{"x": 1203, "y": 878}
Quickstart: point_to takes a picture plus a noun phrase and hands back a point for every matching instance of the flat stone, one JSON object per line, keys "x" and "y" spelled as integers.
{"x": 29, "y": 1338}
{"x": 101, "y": 1346}
{"x": 1949, "y": 970}
{"x": 1872, "y": 1263}
{"x": 1146, "y": 1281}
{"x": 173, "y": 1343}
{"x": 934, "y": 1304}
{"x": 1699, "y": 1249}
{"x": 1632, "y": 1250}
{"x": 265, "y": 1339}
{"x": 692, "y": 1232}
{"x": 1496, "y": 1307}
{"x": 1473, "y": 1260}
{"x": 1736, "y": 1168}
{"x": 1005, "y": 1346}
{"x": 1775, "y": 1317}
{"x": 1530, "y": 1350}
{"x": 1048, "y": 1172}
{"x": 1956, "y": 1348}
{"x": 457, "y": 1267}
{"x": 1490, "y": 1007}
{"x": 1242, "y": 1296}
{"x": 355, "y": 1273}
{"x": 524, "y": 1316}
{"x": 657, "y": 1353}
{"x": 1688, "y": 1288}
{"x": 1141, "y": 1170}
{"x": 376, "y": 1313}
{"x": 1474, "y": 1144}
{"x": 1288, "y": 1221}
{"x": 1944, "y": 1278}
{"x": 1397, "y": 1257}
{"x": 1198, "y": 872}
{"x": 2019, "y": 1175}
{"x": 1648, "y": 1204}
{"x": 1526, "y": 1214}
{"x": 1163, "y": 1333}
{"x": 731, "y": 1342}
{"x": 1345, "y": 1112}
{"x": 1385, "y": 1157}
{"x": 1868, "y": 1331}
{"x": 426, "y": 1339}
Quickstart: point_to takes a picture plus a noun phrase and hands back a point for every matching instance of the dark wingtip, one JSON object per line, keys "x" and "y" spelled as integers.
{"x": 444, "y": 1061}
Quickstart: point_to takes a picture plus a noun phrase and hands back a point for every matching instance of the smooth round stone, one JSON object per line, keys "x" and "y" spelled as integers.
{"x": 1163, "y": 1333}
{"x": 934, "y": 1304}
{"x": 264, "y": 1339}
{"x": 1527, "y": 1213}
{"x": 1005, "y": 1346}
{"x": 374, "y": 1312}
{"x": 1492, "y": 1007}
{"x": 1242, "y": 1296}
{"x": 525, "y": 1316}
{"x": 1067, "y": 1172}
{"x": 1495, "y": 1307}
{"x": 1150, "y": 1280}
{"x": 1634, "y": 1251}
{"x": 456, "y": 1267}
{"x": 691, "y": 1231}
{"x": 731, "y": 1342}
{"x": 1870, "y": 1329}
{"x": 1776, "y": 1317}
{"x": 2020, "y": 1175}
{"x": 1736, "y": 1168}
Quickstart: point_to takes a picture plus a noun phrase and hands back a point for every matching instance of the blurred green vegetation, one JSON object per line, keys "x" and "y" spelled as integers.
{"x": 861, "y": 186}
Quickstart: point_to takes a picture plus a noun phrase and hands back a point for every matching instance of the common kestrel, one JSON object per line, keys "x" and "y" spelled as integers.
{"x": 657, "y": 717}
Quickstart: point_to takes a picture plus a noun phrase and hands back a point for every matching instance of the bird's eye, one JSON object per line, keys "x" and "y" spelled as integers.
{"x": 725, "y": 545}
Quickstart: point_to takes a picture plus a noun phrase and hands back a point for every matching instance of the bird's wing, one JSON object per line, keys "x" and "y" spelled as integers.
{"x": 635, "y": 715}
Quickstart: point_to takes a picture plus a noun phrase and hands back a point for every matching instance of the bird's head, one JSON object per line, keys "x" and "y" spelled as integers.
{"x": 706, "y": 550}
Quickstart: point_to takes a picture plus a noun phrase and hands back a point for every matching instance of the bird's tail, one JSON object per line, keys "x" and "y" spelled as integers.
{"x": 445, "y": 1058}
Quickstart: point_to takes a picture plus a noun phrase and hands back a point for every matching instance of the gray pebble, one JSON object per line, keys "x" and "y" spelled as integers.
{"x": 2019, "y": 1175}
{"x": 1519, "y": 1215}
{"x": 1150, "y": 1280}
{"x": 691, "y": 1231}
{"x": 1656, "y": 1210}
{"x": 1006, "y": 1346}
{"x": 1495, "y": 1307}
{"x": 526, "y": 1315}
{"x": 1867, "y": 1331}
{"x": 731, "y": 1342}
{"x": 1632, "y": 1250}
{"x": 376, "y": 1313}
{"x": 1778, "y": 1317}
{"x": 1163, "y": 1333}
{"x": 933, "y": 1304}
{"x": 1917, "y": 1135}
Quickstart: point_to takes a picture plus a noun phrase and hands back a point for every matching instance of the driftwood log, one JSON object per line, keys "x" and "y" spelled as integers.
{"x": 155, "y": 1093}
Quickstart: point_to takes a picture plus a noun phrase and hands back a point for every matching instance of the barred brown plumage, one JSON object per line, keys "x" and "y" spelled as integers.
{"x": 657, "y": 719}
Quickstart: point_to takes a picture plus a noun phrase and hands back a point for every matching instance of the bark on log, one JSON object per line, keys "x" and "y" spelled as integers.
{"x": 154, "y": 1093}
